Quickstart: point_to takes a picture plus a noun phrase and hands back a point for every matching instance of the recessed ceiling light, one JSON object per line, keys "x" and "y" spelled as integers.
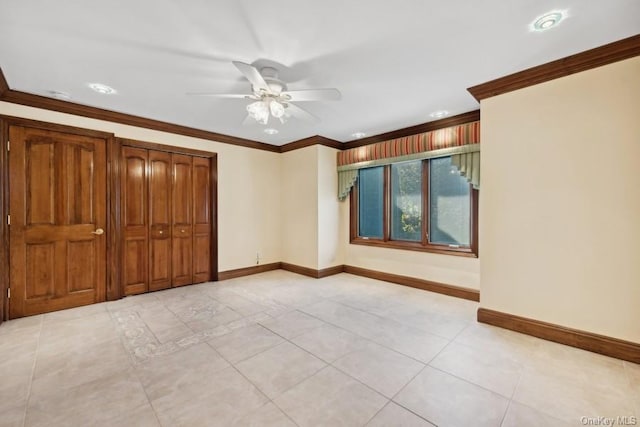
{"x": 59, "y": 95}
{"x": 103, "y": 89}
{"x": 358, "y": 135}
{"x": 548, "y": 20}
{"x": 270, "y": 131}
{"x": 439, "y": 114}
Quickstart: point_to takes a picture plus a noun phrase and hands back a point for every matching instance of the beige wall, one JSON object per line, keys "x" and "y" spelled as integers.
{"x": 560, "y": 202}
{"x": 330, "y": 246}
{"x": 299, "y": 207}
{"x": 249, "y": 208}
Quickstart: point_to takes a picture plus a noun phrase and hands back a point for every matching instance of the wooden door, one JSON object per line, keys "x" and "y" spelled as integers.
{"x": 160, "y": 183}
{"x": 202, "y": 219}
{"x": 57, "y": 202}
{"x": 134, "y": 220}
{"x": 182, "y": 217}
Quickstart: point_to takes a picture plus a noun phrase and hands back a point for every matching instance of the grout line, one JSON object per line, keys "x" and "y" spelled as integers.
{"x": 33, "y": 372}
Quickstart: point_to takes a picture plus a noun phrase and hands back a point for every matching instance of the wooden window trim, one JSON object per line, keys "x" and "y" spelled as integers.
{"x": 422, "y": 246}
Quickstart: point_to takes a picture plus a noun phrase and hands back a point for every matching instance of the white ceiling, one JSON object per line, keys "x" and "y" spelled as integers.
{"x": 395, "y": 62}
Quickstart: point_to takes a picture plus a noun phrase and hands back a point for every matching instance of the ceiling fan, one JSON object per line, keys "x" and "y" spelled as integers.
{"x": 272, "y": 98}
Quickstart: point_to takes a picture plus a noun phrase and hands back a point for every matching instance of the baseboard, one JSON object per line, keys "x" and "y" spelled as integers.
{"x": 247, "y": 271}
{"x": 427, "y": 285}
{"x": 310, "y": 272}
{"x": 613, "y": 347}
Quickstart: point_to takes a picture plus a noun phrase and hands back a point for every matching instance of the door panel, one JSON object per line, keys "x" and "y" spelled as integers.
{"x": 57, "y": 199}
{"x": 134, "y": 213}
{"x": 159, "y": 220}
{"x": 201, "y": 220}
{"x": 182, "y": 217}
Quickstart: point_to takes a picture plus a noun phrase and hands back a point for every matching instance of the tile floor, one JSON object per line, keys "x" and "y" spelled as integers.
{"x": 279, "y": 349}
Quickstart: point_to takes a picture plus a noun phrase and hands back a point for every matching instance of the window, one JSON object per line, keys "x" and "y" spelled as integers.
{"x": 420, "y": 205}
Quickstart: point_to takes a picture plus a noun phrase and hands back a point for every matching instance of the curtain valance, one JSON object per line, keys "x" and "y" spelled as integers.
{"x": 461, "y": 142}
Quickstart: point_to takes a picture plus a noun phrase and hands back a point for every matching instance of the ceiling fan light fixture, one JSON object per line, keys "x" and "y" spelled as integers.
{"x": 276, "y": 108}
{"x": 259, "y": 111}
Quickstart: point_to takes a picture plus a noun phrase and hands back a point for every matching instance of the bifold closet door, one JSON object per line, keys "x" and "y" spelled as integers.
{"x": 202, "y": 219}
{"x": 160, "y": 183}
{"x": 135, "y": 220}
{"x": 182, "y": 218}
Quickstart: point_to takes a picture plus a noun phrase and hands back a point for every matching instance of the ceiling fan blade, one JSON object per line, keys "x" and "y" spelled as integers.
{"x": 221, "y": 95}
{"x": 249, "y": 121}
{"x": 300, "y": 113}
{"x": 253, "y": 75}
{"x": 312, "y": 95}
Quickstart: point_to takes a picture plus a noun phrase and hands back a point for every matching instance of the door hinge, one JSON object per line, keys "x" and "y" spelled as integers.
{"x": 8, "y": 145}
{"x": 8, "y": 219}
{"x": 8, "y": 293}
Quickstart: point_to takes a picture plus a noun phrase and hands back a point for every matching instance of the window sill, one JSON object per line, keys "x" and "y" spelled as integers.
{"x": 409, "y": 246}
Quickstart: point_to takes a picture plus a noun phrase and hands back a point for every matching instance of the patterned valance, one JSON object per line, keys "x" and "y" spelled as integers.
{"x": 461, "y": 142}
{"x": 466, "y": 134}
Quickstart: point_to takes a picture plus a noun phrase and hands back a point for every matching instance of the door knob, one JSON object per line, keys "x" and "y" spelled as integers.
{"x": 99, "y": 231}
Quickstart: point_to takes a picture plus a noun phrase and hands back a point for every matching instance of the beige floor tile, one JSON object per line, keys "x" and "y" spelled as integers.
{"x": 268, "y": 415}
{"x": 292, "y": 324}
{"x": 88, "y": 404}
{"x": 169, "y": 375}
{"x": 209, "y": 400}
{"x": 445, "y": 400}
{"x": 573, "y": 363}
{"x": 519, "y": 415}
{"x": 633, "y": 372}
{"x": 394, "y": 415}
{"x": 381, "y": 369}
{"x": 404, "y": 339}
{"x": 237, "y": 303}
{"x": 75, "y": 313}
{"x": 16, "y": 370}
{"x": 330, "y": 398}
{"x": 219, "y": 318}
{"x": 143, "y": 416}
{"x": 512, "y": 344}
{"x": 12, "y": 417}
{"x": 87, "y": 366}
{"x": 329, "y": 342}
{"x": 81, "y": 332}
{"x": 280, "y": 368}
{"x": 446, "y": 325}
{"x": 25, "y": 326}
{"x": 570, "y": 398}
{"x": 245, "y": 342}
{"x": 69, "y": 368}
{"x": 488, "y": 369}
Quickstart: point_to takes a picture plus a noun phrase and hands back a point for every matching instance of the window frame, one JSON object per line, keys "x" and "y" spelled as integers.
{"x": 423, "y": 245}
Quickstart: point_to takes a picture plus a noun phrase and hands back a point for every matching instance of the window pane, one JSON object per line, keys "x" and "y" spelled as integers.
{"x": 406, "y": 201}
{"x": 370, "y": 201}
{"x": 449, "y": 204}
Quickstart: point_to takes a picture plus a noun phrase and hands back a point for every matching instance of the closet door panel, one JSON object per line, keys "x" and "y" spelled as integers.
{"x": 160, "y": 183}
{"x": 135, "y": 220}
{"x": 201, "y": 219}
{"x": 182, "y": 218}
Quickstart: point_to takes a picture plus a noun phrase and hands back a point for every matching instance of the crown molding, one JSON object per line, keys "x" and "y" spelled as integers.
{"x": 4, "y": 86}
{"x": 37, "y": 101}
{"x": 583, "y": 61}
{"x": 460, "y": 119}
{"x": 312, "y": 140}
